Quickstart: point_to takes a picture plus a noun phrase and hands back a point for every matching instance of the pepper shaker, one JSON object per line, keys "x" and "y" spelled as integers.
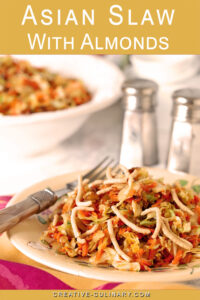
{"x": 184, "y": 145}
{"x": 139, "y": 136}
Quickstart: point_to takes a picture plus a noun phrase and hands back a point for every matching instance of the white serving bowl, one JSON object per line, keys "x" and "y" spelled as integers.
{"x": 30, "y": 135}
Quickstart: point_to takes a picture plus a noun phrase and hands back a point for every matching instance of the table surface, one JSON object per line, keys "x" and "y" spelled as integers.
{"x": 99, "y": 136}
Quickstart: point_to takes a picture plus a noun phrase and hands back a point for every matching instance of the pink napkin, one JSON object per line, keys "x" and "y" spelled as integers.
{"x": 4, "y": 200}
{"x": 15, "y": 276}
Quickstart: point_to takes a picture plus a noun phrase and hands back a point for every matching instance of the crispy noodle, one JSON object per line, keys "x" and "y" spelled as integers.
{"x": 109, "y": 173}
{"x": 79, "y": 194}
{"x": 180, "y": 204}
{"x": 158, "y": 219}
{"x": 130, "y": 184}
{"x": 115, "y": 180}
{"x": 73, "y": 219}
{"x": 55, "y": 220}
{"x": 90, "y": 231}
{"x": 114, "y": 241}
{"x": 128, "y": 223}
{"x": 125, "y": 170}
{"x": 95, "y": 183}
{"x": 175, "y": 238}
{"x": 174, "y": 249}
{"x": 136, "y": 209}
{"x": 103, "y": 191}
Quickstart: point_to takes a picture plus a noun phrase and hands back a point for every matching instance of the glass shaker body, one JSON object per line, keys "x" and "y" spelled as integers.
{"x": 184, "y": 145}
{"x": 139, "y": 137}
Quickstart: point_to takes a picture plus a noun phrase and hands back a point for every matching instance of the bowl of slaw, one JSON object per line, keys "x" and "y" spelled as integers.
{"x": 31, "y": 134}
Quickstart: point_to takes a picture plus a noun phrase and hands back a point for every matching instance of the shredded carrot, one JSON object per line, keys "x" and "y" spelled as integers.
{"x": 194, "y": 239}
{"x": 62, "y": 250}
{"x": 167, "y": 196}
{"x": 129, "y": 200}
{"x": 195, "y": 200}
{"x": 152, "y": 243}
{"x": 80, "y": 246}
{"x": 187, "y": 258}
{"x": 57, "y": 236}
{"x": 197, "y": 209}
{"x": 85, "y": 249}
{"x": 65, "y": 207}
{"x": 145, "y": 264}
{"x": 124, "y": 229}
{"x": 99, "y": 254}
{"x": 194, "y": 226}
{"x": 85, "y": 213}
{"x": 179, "y": 214}
{"x": 187, "y": 216}
{"x": 178, "y": 257}
{"x": 152, "y": 254}
{"x": 157, "y": 203}
{"x": 101, "y": 246}
{"x": 106, "y": 231}
{"x": 137, "y": 199}
{"x": 140, "y": 252}
{"x": 115, "y": 220}
{"x": 86, "y": 222}
{"x": 168, "y": 259}
{"x": 90, "y": 237}
{"x": 149, "y": 187}
{"x": 113, "y": 194}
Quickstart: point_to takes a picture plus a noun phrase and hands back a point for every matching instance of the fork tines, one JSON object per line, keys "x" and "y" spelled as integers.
{"x": 98, "y": 172}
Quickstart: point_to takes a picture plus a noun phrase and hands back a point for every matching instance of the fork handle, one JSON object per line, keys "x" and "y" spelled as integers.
{"x": 35, "y": 203}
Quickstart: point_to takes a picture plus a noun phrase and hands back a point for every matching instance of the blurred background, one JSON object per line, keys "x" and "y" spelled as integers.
{"x": 36, "y": 146}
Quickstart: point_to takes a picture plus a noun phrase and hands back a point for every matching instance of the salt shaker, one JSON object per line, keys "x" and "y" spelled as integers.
{"x": 139, "y": 136}
{"x": 184, "y": 145}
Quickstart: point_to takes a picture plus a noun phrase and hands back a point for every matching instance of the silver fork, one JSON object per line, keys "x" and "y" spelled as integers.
{"x": 42, "y": 200}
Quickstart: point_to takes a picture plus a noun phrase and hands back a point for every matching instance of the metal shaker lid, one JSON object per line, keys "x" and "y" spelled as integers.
{"x": 186, "y": 105}
{"x": 139, "y": 94}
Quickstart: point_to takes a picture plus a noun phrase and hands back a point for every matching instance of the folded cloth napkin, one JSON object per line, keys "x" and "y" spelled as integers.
{"x": 15, "y": 276}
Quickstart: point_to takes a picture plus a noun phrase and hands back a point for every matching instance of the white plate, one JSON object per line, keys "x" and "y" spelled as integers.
{"x": 31, "y": 229}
